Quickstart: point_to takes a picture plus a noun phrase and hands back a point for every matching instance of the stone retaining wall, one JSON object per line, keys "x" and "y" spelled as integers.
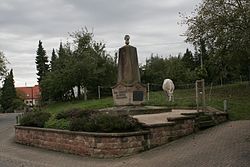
{"x": 220, "y": 117}
{"x": 104, "y": 145}
{"x": 163, "y": 133}
{"x": 83, "y": 143}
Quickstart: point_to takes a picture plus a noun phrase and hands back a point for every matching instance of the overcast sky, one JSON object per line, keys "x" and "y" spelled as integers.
{"x": 151, "y": 24}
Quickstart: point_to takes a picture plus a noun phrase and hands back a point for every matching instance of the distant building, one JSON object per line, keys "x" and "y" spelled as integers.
{"x": 30, "y": 95}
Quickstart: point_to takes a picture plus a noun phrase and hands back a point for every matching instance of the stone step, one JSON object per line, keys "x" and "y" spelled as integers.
{"x": 206, "y": 124}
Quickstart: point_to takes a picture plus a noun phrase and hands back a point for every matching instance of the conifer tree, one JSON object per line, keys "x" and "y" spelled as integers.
{"x": 41, "y": 62}
{"x": 8, "y": 93}
{"x": 188, "y": 60}
{"x": 53, "y": 60}
{"x": 61, "y": 52}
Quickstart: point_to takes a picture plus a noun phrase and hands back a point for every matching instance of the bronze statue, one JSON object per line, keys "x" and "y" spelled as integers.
{"x": 128, "y": 68}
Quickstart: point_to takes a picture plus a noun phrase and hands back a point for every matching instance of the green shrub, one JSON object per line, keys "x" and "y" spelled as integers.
{"x": 105, "y": 123}
{"x": 82, "y": 120}
{"x": 35, "y": 119}
{"x": 82, "y": 124}
{"x": 73, "y": 113}
{"x": 18, "y": 104}
{"x": 57, "y": 124}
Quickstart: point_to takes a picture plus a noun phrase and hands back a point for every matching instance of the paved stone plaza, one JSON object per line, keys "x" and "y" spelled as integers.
{"x": 227, "y": 144}
{"x": 162, "y": 117}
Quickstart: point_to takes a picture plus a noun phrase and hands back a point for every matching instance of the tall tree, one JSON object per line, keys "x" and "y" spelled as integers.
{"x": 155, "y": 70}
{"x": 87, "y": 65}
{"x": 3, "y": 62}
{"x": 8, "y": 93}
{"x": 61, "y": 51}
{"x": 42, "y": 65}
{"x": 222, "y": 29}
{"x": 53, "y": 60}
{"x": 188, "y": 59}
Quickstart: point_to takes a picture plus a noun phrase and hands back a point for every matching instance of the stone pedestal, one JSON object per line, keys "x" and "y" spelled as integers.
{"x": 125, "y": 95}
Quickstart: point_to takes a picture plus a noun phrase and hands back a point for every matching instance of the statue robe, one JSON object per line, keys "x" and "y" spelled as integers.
{"x": 128, "y": 68}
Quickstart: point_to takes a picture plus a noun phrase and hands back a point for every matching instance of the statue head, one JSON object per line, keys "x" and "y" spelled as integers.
{"x": 126, "y": 38}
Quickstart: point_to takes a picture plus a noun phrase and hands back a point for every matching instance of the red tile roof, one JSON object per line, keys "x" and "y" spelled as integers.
{"x": 29, "y": 92}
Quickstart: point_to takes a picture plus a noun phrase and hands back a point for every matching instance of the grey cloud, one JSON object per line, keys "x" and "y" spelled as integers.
{"x": 151, "y": 24}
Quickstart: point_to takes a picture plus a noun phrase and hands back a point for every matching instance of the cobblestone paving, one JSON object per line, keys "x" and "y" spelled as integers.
{"x": 226, "y": 145}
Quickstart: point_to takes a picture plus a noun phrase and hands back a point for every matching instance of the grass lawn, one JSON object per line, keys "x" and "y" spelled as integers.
{"x": 238, "y": 96}
{"x": 90, "y": 104}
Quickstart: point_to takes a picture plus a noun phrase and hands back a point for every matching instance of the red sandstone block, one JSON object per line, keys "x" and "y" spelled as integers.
{"x": 80, "y": 138}
{"x": 135, "y": 150}
{"x": 177, "y": 126}
{"x": 84, "y": 150}
{"x": 112, "y": 153}
{"x": 117, "y": 139}
{"x": 97, "y": 151}
{"x": 189, "y": 131}
{"x": 135, "y": 144}
{"x": 66, "y": 147}
{"x": 187, "y": 125}
{"x": 90, "y": 144}
{"x": 129, "y": 139}
{"x": 101, "y": 145}
{"x": 90, "y": 141}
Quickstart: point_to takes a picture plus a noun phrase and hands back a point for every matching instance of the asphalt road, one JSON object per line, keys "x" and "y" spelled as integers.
{"x": 225, "y": 145}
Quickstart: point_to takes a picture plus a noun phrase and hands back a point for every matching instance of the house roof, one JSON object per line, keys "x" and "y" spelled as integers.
{"x": 29, "y": 92}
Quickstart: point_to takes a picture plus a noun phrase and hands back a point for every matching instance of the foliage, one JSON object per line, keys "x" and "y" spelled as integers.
{"x": 73, "y": 113}
{"x": 182, "y": 98}
{"x": 238, "y": 97}
{"x": 92, "y": 121}
{"x": 35, "y": 119}
{"x": 154, "y": 70}
{"x": 201, "y": 72}
{"x": 3, "y": 62}
{"x": 82, "y": 124}
{"x": 57, "y": 124}
{"x": 188, "y": 60}
{"x": 53, "y": 60}
{"x": 18, "y": 104}
{"x": 41, "y": 62}
{"x": 8, "y": 95}
{"x": 83, "y": 63}
{"x": 176, "y": 68}
{"x": 105, "y": 123}
{"x": 59, "y": 107}
{"x": 220, "y": 29}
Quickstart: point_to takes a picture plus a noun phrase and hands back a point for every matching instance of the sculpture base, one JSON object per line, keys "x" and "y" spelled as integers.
{"x": 124, "y": 95}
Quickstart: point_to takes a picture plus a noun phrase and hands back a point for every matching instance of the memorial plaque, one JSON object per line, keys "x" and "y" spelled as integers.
{"x": 138, "y": 96}
{"x": 121, "y": 94}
